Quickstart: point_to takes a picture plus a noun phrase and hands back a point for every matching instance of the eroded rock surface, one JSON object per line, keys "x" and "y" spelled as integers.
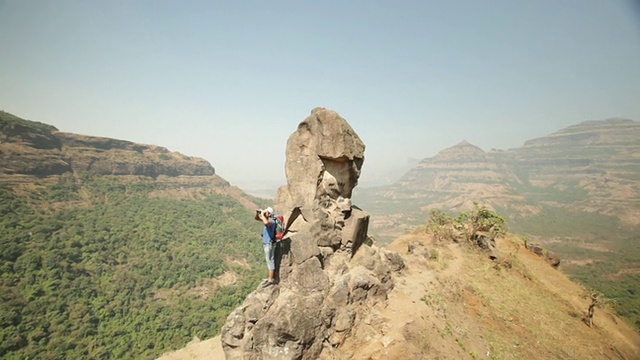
{"x": 329, "y": 271}
{"x": 548, "y": 256}
{"x": 323, "y": 154}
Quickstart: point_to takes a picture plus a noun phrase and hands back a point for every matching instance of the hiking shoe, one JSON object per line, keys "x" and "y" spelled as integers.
{"x": 266, "y": 283}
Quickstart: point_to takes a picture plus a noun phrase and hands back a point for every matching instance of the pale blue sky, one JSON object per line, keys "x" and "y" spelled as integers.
{"x": 229, "y": 81}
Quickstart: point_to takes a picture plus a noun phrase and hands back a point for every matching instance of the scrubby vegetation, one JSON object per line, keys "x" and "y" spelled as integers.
{"x": 466, "y": 224}
{"x": 610, "y": 268}
{"x": 92, "y": 267}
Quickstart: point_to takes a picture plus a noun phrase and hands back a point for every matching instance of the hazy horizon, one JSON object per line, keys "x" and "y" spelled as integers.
{"x": 229, "y": 82}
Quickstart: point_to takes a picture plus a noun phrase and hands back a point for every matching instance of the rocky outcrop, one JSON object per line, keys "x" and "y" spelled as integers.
{"x": 28, "y": 133}
{"x": 547, "y": 255}
{"x": 323, "y": 150}
{"x": 36, "y": 149}
{"x": 329, "y": 271}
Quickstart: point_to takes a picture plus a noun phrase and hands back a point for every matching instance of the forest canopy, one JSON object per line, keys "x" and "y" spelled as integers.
{"x": 94, "y": 267}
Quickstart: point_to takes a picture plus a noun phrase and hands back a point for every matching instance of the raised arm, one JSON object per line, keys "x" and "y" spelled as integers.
{"x": 263, "y": 217}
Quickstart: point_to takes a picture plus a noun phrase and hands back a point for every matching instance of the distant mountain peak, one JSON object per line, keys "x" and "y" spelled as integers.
{"x": 461, "y": 149}
{"x": 464, "y": 143}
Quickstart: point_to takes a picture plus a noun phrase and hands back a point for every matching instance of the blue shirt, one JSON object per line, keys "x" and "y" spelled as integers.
{"x": 268, "y": 232}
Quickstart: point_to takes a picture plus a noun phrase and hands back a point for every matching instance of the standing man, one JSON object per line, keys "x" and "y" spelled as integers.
{"x": 268, "y": 242}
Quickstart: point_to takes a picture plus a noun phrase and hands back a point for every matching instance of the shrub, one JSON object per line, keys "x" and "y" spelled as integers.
{"x": 466, "y": 224}
{"x": 480, "y": 219}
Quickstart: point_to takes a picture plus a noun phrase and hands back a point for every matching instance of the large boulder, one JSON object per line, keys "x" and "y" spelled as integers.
{"x": 548, "y": 256}
{"x": 329, "y": 272}
{"x": 324, "y": 149}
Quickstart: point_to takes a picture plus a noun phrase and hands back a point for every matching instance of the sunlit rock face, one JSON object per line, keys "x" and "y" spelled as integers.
{"x": 324, "y": 155}
{"x": 329, "y": 271}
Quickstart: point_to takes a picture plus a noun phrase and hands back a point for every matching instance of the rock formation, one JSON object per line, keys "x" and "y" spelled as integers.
{"x": 548, "y": 256}
{"x": 323, "y": 150}
{"x": 329, "y": 271}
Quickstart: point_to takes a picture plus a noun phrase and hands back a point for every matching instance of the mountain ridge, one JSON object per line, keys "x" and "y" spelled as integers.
{"x": 593, "y": 166}
{"x": 29, "y": 148}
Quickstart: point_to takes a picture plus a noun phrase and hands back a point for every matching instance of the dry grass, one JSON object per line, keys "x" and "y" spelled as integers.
{"x": 453, "y": 302}
{"x": 534, "y": 311}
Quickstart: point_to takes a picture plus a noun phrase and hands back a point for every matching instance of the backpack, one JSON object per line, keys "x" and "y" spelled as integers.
{"x": 279, "y": 230}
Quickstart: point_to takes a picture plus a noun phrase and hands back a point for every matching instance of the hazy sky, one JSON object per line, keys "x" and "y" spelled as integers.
{"x": 230, "y": 81}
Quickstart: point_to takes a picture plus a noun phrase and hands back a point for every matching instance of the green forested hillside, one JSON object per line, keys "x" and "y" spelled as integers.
{"x": 93, "y": 267}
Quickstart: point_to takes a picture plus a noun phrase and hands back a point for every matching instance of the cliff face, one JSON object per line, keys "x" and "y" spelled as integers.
{"x": 34, "y": 149}
{"x": 591, "y": 167}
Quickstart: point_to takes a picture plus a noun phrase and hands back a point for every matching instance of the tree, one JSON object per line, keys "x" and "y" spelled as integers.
{"x": 481, "y": 219}
{"x": 597, "y": 300}
{"x": 439, "y": 224}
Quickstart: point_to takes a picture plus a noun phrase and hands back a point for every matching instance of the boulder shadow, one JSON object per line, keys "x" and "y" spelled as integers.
{"x": 283, "y": 247}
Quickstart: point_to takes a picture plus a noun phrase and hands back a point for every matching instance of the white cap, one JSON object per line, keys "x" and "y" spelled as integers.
{"x": 269, "y": 210}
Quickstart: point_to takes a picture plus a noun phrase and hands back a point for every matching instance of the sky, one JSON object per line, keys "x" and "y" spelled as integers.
{"x": 229, "y": 81}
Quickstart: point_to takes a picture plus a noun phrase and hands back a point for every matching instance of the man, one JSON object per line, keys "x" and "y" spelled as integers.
{"x": 268, "y": 243}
